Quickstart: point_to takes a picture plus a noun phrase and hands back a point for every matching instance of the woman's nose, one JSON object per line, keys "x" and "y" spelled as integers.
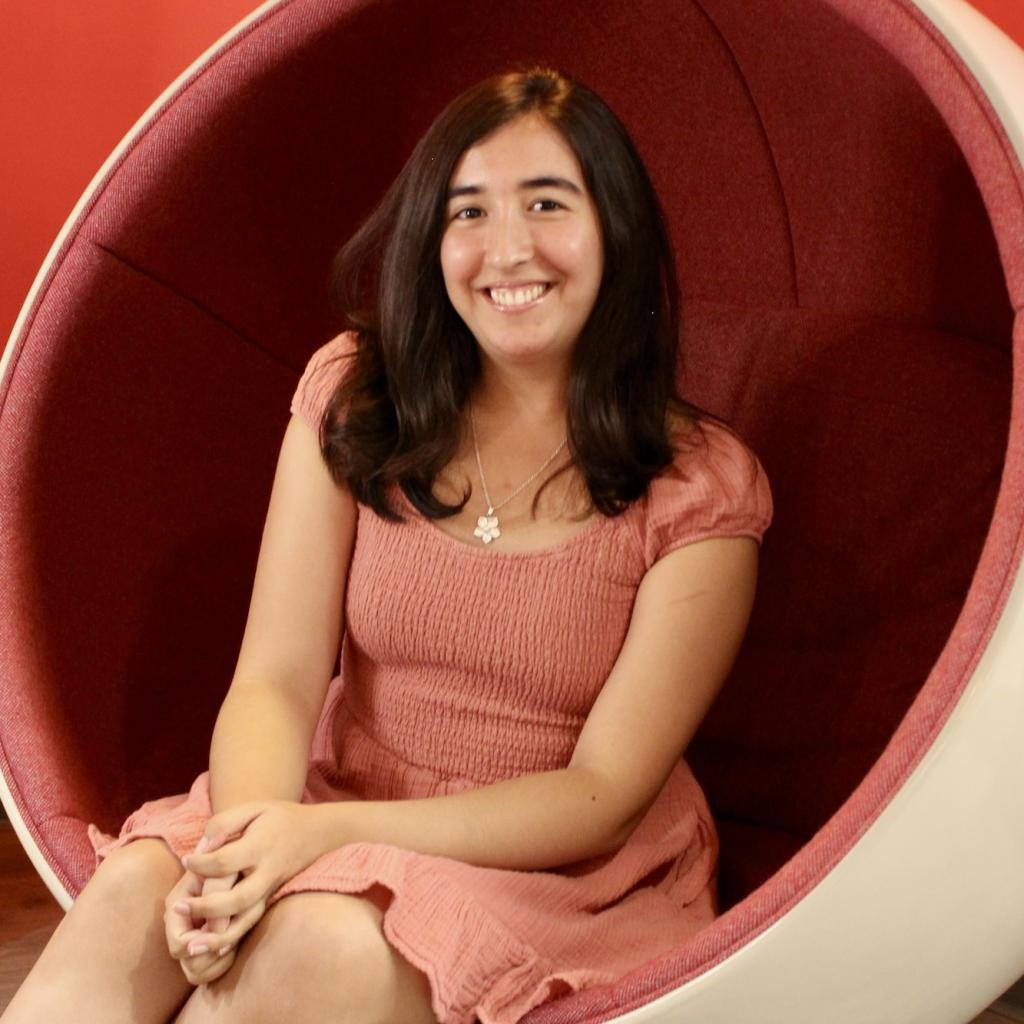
{"x": 510, "y": 240}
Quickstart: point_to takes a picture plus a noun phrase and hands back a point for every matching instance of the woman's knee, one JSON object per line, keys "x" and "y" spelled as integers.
{"x": 331, "y": 941}
{"x": 143, "y": 868}
{"x": 332, "y": 929}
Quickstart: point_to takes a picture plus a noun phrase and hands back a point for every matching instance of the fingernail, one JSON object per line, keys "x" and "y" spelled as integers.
{"x": 226, "y": 949}
{"x": 182, "y": 907}
{"x": 203, "y": 844}
{"x": 196, "y": 950}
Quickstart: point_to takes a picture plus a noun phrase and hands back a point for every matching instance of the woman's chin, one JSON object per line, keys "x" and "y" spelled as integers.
{"x": 526, "y": 353}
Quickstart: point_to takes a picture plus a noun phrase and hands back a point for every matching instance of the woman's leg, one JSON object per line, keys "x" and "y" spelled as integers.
{"x": 108, "y": 959}
{"x": 316, "y": 957}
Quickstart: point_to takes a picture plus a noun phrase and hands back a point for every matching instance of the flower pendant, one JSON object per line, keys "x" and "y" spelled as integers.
{"x": 487, "y": 528}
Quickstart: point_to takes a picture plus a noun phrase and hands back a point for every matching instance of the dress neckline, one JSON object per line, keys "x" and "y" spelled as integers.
{"x": 481, "y": 550}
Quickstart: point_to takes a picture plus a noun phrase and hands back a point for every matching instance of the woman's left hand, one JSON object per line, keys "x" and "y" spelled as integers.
{"x": 266, "y": 843}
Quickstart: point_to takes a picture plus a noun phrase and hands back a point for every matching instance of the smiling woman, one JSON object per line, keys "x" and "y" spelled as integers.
{"x": 522, "y": 257}
{"x": 527, "y": 181}
{"x": 505, "y": 812}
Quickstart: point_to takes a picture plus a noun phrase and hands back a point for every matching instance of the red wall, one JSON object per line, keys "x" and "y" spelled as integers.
{"x": 77, "y": 76}
{"x": 1007, "y": 14}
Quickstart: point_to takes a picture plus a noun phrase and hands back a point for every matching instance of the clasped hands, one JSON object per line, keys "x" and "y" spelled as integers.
{"x": 207, "y": 913}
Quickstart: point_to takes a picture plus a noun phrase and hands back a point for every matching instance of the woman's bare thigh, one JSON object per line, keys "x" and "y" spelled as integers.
{"x": 108, "y": 958}
{"x": 331, "y": 941}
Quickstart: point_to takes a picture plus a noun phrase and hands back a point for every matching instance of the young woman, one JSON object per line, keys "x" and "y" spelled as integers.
{"x": 539, "y": 563}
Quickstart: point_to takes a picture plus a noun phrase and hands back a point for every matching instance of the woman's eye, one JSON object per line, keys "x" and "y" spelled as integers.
{"x": 550, "y": 204}
{"x": 467, "y": 213}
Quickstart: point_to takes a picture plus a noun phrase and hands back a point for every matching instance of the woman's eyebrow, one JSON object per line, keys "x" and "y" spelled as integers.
{"x": 548, "y": 181}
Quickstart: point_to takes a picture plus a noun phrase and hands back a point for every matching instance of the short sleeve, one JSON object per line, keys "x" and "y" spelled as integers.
{"x": 720, "y": 491}
{"x": 322, "y": 375}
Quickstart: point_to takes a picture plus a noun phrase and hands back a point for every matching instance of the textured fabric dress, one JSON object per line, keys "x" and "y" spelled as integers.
{"x": 424, "y": 706}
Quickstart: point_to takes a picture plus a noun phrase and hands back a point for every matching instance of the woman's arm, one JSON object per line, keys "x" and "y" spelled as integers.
{"x": 688, "y": 622}
{"x": 261, "y": 741}
{"x": 260, "y": 747}
{"x": 531, "y": 822}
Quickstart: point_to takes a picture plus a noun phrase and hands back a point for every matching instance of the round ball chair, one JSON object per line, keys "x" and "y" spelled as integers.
{"x": 844, "y": 188}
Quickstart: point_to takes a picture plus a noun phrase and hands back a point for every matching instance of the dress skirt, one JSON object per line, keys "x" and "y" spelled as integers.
{"x": 493, "y": 942}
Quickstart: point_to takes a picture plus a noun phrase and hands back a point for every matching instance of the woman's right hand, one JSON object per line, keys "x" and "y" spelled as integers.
{"x": 182, "y": 931}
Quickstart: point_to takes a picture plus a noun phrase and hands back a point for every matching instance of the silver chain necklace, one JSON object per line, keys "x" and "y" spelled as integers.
{"x": 487, "y": 525}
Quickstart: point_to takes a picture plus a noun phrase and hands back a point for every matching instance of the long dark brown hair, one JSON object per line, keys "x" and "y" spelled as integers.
{"x": 397, "y": 412}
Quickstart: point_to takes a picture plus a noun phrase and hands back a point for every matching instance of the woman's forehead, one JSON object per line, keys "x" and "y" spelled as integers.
{"x": 524, "y": 153}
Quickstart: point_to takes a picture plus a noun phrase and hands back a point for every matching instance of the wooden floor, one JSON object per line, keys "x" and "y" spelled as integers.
{"x": 29, "y": 915}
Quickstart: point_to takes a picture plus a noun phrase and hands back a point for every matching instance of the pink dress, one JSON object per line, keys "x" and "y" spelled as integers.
{"x": 424, "y": 706}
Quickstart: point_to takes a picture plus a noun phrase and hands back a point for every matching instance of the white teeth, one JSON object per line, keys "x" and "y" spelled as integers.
{"x": 517, "y": 297}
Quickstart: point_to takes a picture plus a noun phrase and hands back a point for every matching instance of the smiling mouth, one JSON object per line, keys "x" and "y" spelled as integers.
{"x": 517, "y": 298}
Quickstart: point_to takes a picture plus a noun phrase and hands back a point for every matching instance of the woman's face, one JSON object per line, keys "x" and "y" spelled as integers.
{"x": 521, "y": 252}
